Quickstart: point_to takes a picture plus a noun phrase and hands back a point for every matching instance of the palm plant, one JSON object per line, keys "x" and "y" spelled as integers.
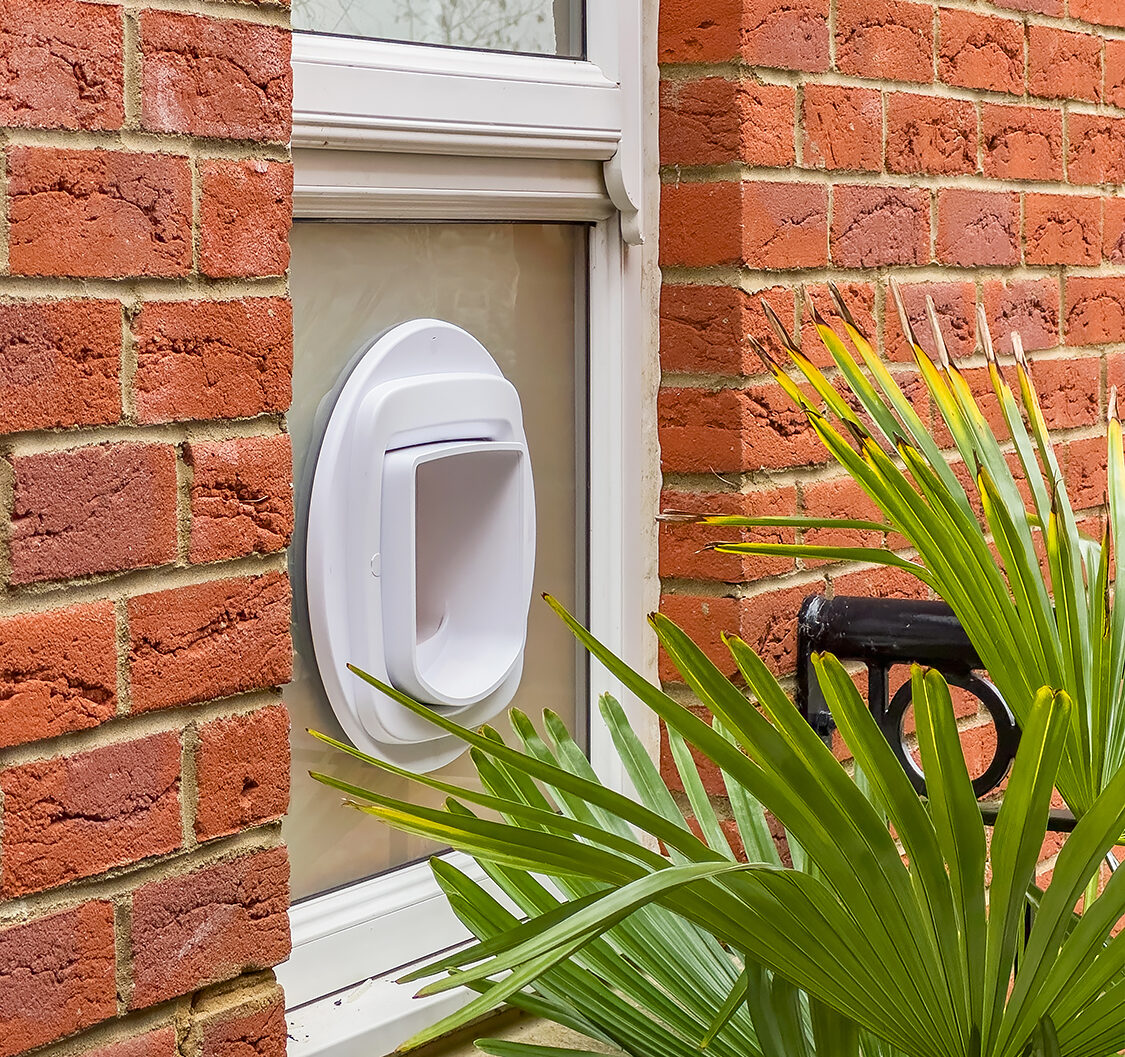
{"x": 867, "y": 947}
{"x": 986, "y": 566}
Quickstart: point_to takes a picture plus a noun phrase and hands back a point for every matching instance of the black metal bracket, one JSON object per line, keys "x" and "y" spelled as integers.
{"x": 883, "y": 632}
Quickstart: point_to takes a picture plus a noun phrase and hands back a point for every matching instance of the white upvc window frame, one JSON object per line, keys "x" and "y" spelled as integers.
{"x": 466, "y": 135}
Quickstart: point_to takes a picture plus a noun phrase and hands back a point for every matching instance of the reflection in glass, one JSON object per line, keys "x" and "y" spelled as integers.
{"x": 541, "y": 27}
{"x": 517, "y": 288}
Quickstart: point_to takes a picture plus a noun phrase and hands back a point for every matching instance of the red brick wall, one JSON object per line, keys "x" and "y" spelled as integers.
{"x": 145, "y": 505}
{"x": 973, "y": 150}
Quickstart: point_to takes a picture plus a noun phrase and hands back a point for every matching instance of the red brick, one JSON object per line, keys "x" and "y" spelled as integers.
{"x": 1021, "y": 142}
{"x": 59, "y": 974}
{"x": 99, "y": 509}
{"x": 1063, "y": 65}
{"x": 715, "y": 120}
{"x": 843, "y": 128}
{"x": 1030, "y": 306}
{"x": 840, "y": 498}
{"x": 1069, "y": 390}
{"x": 785, "y": 225}
{"x": 1062, "y": 229}
{"x": 1113, "y": 234}
{"x": 213, "y": 359}
{"x": 880, "y": 583}
{"x": 703, "y": 329}
{"x": 691, "y": 33}
{"x": 58, "y": 672}
{"x": 885, "y": 39}
{"x": 209, "y": 640}
{"x": 705, "y": 620}
{"x": 682, "y": 546}
{"x": 76, "y": 816}
{"x": 768, "y": 624}
{"x": 62, "y": 65}
{"x": 928, "y": 134}
{"x": 215, "y": 77}
{"x": 159, "y": 1043}
{"x": 790, "y": 34}
{"x": 1043, "y": 7}
{"x": 259, "y": 1033}
{"x": 709, "y": 772}
{"x": 210, "y": 925}
{"x": 978, "y": 227}
{"x": 1114, "y": 90}
{"x": 1096, "y": 153}
{"x": 242, "y": 771}
{"x": 1084, "y": 469}
{"x": 1100, "y": 12}
{"x": 96, "y": 213}
{"x": 1095, "y": 310}
{"x": 700, "y": 224}
{"x": 874, "y": 226}
{"x": 241, "y": 497}
{"x": 244, "y": 217}
{"x": 860, "y": 300}
{"x": 59, "y": 364}
{"x": 980, "y": 51}
{"x": 955, "y": 304}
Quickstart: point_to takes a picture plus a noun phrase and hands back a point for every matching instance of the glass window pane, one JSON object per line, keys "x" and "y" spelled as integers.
{"x": 540, "y": 27}
{"x": 519, "y": 289}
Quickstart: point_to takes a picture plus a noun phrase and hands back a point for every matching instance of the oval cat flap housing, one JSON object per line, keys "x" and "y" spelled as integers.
{"x": 421, "y": 541}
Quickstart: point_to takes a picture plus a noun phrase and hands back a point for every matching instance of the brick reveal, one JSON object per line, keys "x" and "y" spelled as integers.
{"x": 145, "y": 206}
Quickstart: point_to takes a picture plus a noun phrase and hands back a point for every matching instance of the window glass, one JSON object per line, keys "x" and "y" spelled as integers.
{"x": 519, "y": 289}
{"x": 542, "y": 27}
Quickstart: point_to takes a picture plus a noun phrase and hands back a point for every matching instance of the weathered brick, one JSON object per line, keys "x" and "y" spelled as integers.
{"x": 928, "y": 134}
{"x": 955, "y": 304}
{"x": 1030, "y": 306}
{"x": 880, "y": 583}
{"x": 683, "y": 552}
{"x": 839, "y": 498}
{"x": 98, "y": 509}
{"x": 98, "y": 213}
{"x": 59, "y": 364}
{"x": 209, "y": 925}
{"x": 1084, "y": 469}
{"x": 159, "y": 1043}
{"x": 76, "y": 816}
{"x": 241, "y": 497}
{"x": 1095, "y": 310}
{"x": 768, "y": 624}
{"x": 978, "y": 227}
{"x": 61, "y": 65}
{"x": 1113, "y": 232}
{"x": 58, "y": 672}
{"x": 1069, "y": 390}
{"x": 1062, "y": 229}
{"x": 1062, "y": 64}
{"x": 785, "y": 225}
{"x": 209, "y": 640}
{"x": 860, "y": 300}
{"x": 261, "y": 1032}
{"x": 880, "y": 225}
{"x": 690, "y": 33}
{"x": 1021, "y": 142}
{"x": 1096, "y": 152}
{"x": 701, "y": 224}
{"x": 242, "y": 771}
{"x": 709, "y": 772}
{"x": 1100, "y": 12}
{"x": 59, "y": 974}
{"x": 1114, "y": 88}
{"x": 1042, "y": 7}
{"x": 885, "y": 39}
{"x": 244, "y": 216}
{"x": 215, "y": 77}
{"x": 213, "y": 359}
{"x": 705, "y": 620}
{"x": 981, "y": 51}
{"x": 791, "y": 34}
{"x": 843, "y": 128}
